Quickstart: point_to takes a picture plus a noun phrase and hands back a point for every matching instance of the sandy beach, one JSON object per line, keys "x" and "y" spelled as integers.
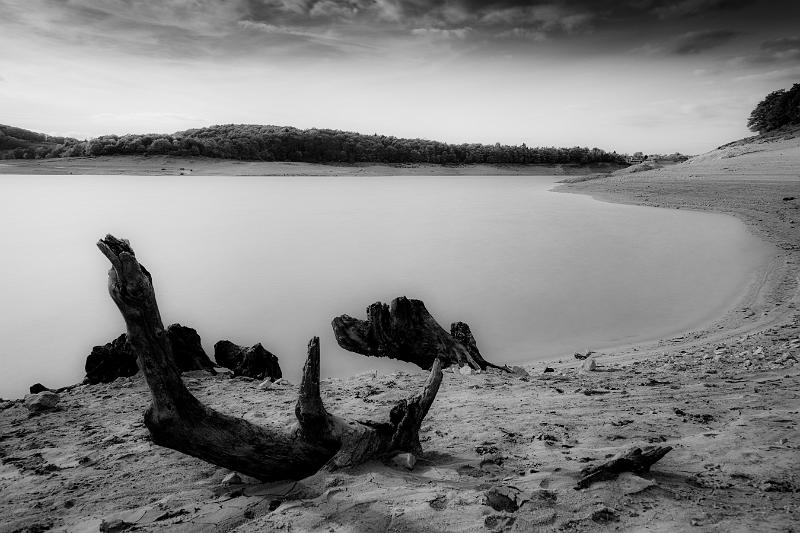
{"x": 725, "y": 397}
{"x": 205, "y": 166}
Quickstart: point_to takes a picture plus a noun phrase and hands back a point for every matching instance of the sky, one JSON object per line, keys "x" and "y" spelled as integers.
{"x": 657, "y": 76}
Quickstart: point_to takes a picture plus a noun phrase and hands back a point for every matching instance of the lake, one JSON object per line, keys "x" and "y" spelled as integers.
{"x": 535, "y": 273}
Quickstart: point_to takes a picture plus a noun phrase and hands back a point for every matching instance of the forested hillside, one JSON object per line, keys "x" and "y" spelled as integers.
{"x": 278, "y": 143}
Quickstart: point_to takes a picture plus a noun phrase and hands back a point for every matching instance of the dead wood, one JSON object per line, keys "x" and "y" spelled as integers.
{"x": 636, "y": 460}
{"x": 178, "y": 420}
{"x": 406, "y": 331}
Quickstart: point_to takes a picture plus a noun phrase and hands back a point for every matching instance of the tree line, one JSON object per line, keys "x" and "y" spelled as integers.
{"x": 277, "y": 143}
{"x": 778, "y": 109}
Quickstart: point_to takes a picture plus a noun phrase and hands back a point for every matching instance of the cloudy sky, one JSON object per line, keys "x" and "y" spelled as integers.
{"x": 650, "y": 75}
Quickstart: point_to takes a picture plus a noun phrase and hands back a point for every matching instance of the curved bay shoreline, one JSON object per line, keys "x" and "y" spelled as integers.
{"x": 725, "y": 397}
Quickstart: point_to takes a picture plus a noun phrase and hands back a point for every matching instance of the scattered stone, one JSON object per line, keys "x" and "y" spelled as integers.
{"x": 439, "y": 503}
{"x": 36, "y": 388}
{"x": 503, "y": 498}
{"x": 114, "y": 526}
{"x": 465, "y": 370}
{"x": 548, "y": 369}
{"x": 265, "y": 385}
{"x": 499, "y": 522}
{"x": 42, "y": 401}
{"x": 605, "y": 516}
{"x": 701, "y": 419}
{"x": 255, "y": 362}
{"x": 774, "y": 485}
{"x": 519, "y": 371}
{"x": 788, "y": 198}
{"x": 544, "y": 497}
{"x": 589, "y": 365}
{"x": 758, "y": 351}
{"x": 406, "y": 460}
{"x": 486, "y": 448}
{"x": 232, "y": 479}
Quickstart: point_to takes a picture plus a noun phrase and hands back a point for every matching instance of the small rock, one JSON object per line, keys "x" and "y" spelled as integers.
{"x": 605, "y": 515}
{"x": 502, "y": 498}
{"x": 114, "y": 526}
{"x": 36, "y": 388}
{"x": 589, "y": 365}
{"x": 42, "y": 401}
{"x": 232, "y": 479}
{"x": 406, "y": 460}
{"x": 465, "y": 370}
{"x": 265, "y": 385}
{"x": 758, "y": 351}
{"x": 519, "y": 371}
{"x": 548, "y": 369}
{"x": 283, "y": 382}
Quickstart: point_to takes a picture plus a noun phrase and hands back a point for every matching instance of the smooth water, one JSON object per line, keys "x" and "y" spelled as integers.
{"x": 252, "y": 259}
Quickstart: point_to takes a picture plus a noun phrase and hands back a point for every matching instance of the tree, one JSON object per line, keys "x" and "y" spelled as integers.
{"x": 777, "y": 109}
{"x": 178, "y": 420}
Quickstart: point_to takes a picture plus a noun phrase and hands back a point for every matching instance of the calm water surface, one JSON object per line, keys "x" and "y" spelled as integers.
{"x": 272, "y": 260}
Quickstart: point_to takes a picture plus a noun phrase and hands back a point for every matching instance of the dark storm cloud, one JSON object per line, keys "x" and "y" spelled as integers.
{"x": 685, "y": 8}
{"x": 329, "y": 28}
{"x": 700, "y": 41}
{"x": 782, "y": 52}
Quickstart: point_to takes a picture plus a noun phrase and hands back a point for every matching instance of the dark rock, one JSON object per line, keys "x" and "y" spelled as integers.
{"x": 788, "y": 198}
{"x": 605, "y": 515}
{"x": 255, "y": 362}
{"x": 502, "y": 498}
{"x": 549, "y": 369}
{"x": 187, "y": 349}
{"x": 36, "y": 388}
{"x": 107, "y": 363}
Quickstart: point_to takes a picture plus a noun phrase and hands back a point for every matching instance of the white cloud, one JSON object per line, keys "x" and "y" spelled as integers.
{"x": 546, "y": 17}
{"x": 458, "y": 33}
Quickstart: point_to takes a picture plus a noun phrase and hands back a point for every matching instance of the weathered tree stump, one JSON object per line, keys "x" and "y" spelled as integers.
{"x": 406, "y": 331}
{"x": 256, "y": 362}
{"x": 178, "y": 420}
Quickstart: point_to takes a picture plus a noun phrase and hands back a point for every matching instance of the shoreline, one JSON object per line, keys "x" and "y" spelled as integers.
{"x": 203, "y": 166}
{"x": 771, "y": 299}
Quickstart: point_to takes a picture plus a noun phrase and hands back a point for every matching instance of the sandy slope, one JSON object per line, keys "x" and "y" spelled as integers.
{"x": 204, "y": 166}
{"x": 726, "y": 398}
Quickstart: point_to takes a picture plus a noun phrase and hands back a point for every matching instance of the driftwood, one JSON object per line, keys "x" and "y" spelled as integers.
{"x": 636, "y": 460}
{"x": 256, "y": 362}
{"x": 178, "y": 420}
{"x": 406, "y": 331}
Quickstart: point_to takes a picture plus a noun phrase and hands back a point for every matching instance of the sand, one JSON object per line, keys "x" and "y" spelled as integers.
{"x": 725, "y": 397}
{"x": 204, "y": 166}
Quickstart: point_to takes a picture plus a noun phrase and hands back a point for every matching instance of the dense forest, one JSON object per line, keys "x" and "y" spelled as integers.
{"x": 778, "y": 109}
{"x": 277, "y": 143}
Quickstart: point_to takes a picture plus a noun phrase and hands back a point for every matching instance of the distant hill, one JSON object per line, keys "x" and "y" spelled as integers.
{"x": 18, "y": 143}
{"x": 252, "y": 142}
